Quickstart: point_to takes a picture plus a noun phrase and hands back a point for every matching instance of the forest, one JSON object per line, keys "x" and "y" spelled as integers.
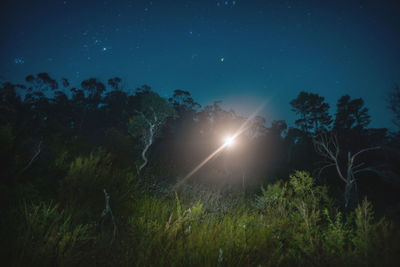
{"x": 104, "y": 175}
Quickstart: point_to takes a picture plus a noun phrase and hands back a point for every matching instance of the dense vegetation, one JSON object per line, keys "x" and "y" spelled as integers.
{"x": 89, "y": 177}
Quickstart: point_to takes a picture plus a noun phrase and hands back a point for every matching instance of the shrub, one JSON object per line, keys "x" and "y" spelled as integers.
{"x": 49, "y": 237}
{"x": 87, "y": 177}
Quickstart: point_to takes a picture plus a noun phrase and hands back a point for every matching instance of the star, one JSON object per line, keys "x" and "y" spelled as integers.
{"x": 19, "y": 61}
{"x": 104, "y": 48}
{"x": 222, "y": 59}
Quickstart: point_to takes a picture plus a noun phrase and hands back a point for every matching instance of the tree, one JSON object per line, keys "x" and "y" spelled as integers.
{"x": 186, "y": 109}
{"x": 183, "y": 101}
{"x": 116, "y": 105}
{"x": 9, "y": 101}
{"x": 278, "y": 128}
{"x": 327, "y": 146}
{"x": 148, "y": 122}
{"x": 313, "y": 111}
{"x": 94, "y": 89}
{"x": 351, "y": 114}
{"x": 256, "y": 127}
{"x": 394, "y": 104}
{"x": 115, "y": 83}
{"x": 42, "y": 82}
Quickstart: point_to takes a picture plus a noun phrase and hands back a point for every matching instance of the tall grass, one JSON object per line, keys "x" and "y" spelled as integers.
{"x": 291, "y": 223}
{"x": 49, "y": 237}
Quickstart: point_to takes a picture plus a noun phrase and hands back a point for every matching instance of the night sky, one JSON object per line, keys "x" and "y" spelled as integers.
{"x": 243, "y": 52}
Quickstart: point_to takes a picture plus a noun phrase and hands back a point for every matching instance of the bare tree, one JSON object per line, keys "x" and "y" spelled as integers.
{"x": 327, "y": 145}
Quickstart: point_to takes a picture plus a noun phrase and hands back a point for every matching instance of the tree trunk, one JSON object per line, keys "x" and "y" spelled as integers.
{"x": 148, "y": 143}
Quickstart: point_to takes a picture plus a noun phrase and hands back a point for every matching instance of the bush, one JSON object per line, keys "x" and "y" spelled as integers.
{"x": 289, "y": 224}
{"x": 87, "y": 177}
{"x": 49, "y": 237}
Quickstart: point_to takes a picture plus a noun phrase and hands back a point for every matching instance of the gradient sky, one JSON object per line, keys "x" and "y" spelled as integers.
{"x": 242, "y": 52}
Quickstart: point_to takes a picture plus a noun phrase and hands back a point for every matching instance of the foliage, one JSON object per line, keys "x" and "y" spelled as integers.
{"x": 289, "y": 223}
{"x": 86, "y": 179}
{"x": 48, "y": 237}
{"x": 154, "y": 110}
{"x": 51, "y": 215}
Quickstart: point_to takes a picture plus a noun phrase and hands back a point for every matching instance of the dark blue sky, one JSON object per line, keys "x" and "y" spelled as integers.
{"x": 243, "y": 52}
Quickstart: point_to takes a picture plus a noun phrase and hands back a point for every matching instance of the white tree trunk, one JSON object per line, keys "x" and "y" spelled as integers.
{"x": 148, "y": 143}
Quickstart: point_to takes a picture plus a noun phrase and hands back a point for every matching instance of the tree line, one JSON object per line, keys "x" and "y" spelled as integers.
{"x": 163, "y": 139}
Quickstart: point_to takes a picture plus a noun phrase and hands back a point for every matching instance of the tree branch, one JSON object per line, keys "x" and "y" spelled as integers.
{"x": 324, "y": 167}
{"x": 34, "y": 158}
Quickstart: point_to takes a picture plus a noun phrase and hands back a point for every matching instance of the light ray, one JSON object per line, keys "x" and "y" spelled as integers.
{"x": 229, "y": 141}
{"x": 241, "y": 130}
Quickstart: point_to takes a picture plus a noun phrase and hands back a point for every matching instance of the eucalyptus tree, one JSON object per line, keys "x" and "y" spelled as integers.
{"x": 38, "y": 90}
{"x": 183, "y": 102}
{"x": 93, "y": 89}
{"x": 149, "y": 119}
{"x": 115, "y": 105}
{"x": 41, "y": 82}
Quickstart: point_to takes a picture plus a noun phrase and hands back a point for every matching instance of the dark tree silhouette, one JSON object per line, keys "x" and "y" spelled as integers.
{"x": 94, "y": 89}
{"x": 115, "y": 83}
{"x": 41, "y": 82}
{"x": 313, "y": 111}
{"x": 351, "y": 114}
{"x": 65, "y": 82}
{"x": 278, "y": 127}
{"x": 394, "y": 104}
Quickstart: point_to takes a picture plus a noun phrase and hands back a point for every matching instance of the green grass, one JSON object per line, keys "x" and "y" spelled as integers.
{"x": 292, "y": 223}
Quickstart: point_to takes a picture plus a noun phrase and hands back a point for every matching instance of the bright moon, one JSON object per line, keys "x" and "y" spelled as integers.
{"x": 229, "y": 141}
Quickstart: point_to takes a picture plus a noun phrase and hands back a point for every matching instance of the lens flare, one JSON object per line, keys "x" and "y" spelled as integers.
{"x": 229, "y": 141}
